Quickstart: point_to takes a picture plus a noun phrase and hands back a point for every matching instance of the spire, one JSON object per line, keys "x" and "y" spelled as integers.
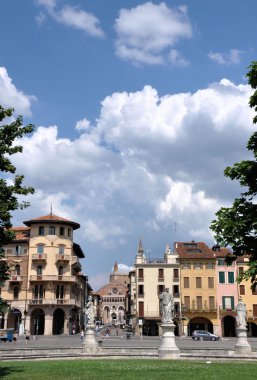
{"x": 115, "y": 267}
{"x": 140, "y": 250}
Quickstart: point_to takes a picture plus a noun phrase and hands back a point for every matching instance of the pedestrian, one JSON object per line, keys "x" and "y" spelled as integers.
{"x": 15, "y": 336}
{"x": 82, "y": 335}
{"x": 107, "y": 332}
{"x": 27, "y": 336}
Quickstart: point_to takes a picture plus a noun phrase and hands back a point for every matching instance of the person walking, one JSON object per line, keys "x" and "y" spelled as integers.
{"x": 27, "y": 336}
{"x": 15, "y": 337}
{"x": 82, "y": 335}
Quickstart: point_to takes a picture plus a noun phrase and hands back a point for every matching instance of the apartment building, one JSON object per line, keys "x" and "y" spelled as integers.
{"x": 152, "y": 276}
{"x": 198, "y": 285}
{"x": 46, "y": 291}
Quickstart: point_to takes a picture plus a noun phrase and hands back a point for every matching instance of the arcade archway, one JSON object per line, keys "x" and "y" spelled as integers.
{"x": 228, "y": 326}
{"x": 200, "y": 323}
{"x": 58, "y": 321}
{"x": 37, "y": 322}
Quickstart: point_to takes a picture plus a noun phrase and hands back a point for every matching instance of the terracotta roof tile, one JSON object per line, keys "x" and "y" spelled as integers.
{"x": 193, "y": 250}
{"x": 51, "y": 218}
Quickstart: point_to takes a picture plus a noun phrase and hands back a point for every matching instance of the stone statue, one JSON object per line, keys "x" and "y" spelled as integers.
{"x": 241, "y": 314}
{"x": 167, "y": 306}
{"x": 89, "y": 310}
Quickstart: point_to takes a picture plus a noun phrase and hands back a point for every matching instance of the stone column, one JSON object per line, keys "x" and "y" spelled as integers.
{"x": 168, "y": 348}
{"x": 48, "y": 325}
{"x": 90, "y": 344}
{"x": 242, "y": 345}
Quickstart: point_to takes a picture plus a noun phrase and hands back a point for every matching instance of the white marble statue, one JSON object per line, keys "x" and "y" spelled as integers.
{"x": 167, "y": 306}
{"x": 89, "y": 310}
{"x": 241, "y": 314}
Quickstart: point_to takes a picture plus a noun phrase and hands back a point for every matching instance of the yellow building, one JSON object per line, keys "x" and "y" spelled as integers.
{"x": 46, "y": 291}
{"x": 198, "y": 286}
{"x": 152, "y": 276}
{"x": 249, "y": 297}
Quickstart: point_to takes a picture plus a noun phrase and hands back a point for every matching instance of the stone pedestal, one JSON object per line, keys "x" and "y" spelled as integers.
{"x": 168, "y": 348}
{"x": 242, "y": 345}
{"x": 90, "y": 344}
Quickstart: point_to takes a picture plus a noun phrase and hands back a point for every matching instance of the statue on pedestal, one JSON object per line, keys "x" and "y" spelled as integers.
{"x": 241, "y": 314}
{"x": 167, "y": 306}
{"x": 89, "y": 310}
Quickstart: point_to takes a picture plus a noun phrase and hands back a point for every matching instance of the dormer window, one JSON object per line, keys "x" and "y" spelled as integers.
{"x": 51, "y": 230}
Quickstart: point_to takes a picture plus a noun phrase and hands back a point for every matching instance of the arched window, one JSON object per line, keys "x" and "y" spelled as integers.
{"x": 60, "y": 271}
{"x": 39, "y": 270}
{"x": 17, "y": 270}
{"x": 16, "y": 291}
{"x": 51, "y": 230}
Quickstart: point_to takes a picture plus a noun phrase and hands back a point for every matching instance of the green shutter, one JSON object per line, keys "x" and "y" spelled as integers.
{"x": 231, "y": 279}
{"x": 222, "y": 277}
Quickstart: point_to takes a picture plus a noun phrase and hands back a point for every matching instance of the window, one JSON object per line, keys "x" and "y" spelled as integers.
{"x": 240, "y": 269}
{"x": 210, "y": 282}
{"x": 18, "y": 250}
{"x": 186, "y": 282}
{"x": 212, "y": 303}
{"x": 222, "y": 277}
{"x": 39, "y": 270}
{"x": 160, "y": 289}
{"x": 221, "y": 262}
{"x": 60, "y": 271}
{"x": 231, "y": 277}
{"x": 39, "y": 291}
{"x": 17, "y": 270}
{"x": 41, "y": 230}
{"x": 241, "y": 289}
{"x": 160, "y": 274}
{"x": 16, "y": 291}
{"x": 175, "y": 274}
{"x": 51, "y": 230}
{"x": 228, "y": 303}
{"x": 61, "y": 249}
{"x": 254, "y": 291}
{"x": 141, "y": 273}
{"x": 141, "y": 309}
{"x": 198, "y": 282}
{"x": 40, "y": 249}
{"x": 61, "y": 231}
{"x": 198, "y": 266}
{"x": 210, "y": 266}
{"x": 140, "y": 290}
{"x": 255, "y": 310}
{"x": 59, "y": 292}
{"x": 199, "y": 302}
{"x": 187, "y": 302}
{"x": 186, "y": 266}
{"x": 176, "y": 290}
{"x": 69, "y": 232}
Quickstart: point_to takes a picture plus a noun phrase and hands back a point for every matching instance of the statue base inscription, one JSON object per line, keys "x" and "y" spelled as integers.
{"x": 168, "y": 348}
{"x": 90, "y": 344}
{"x": 242, "y": 345}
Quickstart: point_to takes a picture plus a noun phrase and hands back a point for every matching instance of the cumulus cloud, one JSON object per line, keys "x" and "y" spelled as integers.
{"x": 71, "y": 16}
{"x": 83, "y": 125}
{"x": 230, "y": 58}
{"x": 10, "y": 96}
{"x": 146, "y": 32}
{"x": 149, "y": 162}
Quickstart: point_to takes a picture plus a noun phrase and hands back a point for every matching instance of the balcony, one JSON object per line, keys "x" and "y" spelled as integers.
{"x": 62, "y": 258}
{"x": 15, "y": 278}
{"x": 39, "y": 257}
{"x": 200, "y": 310}
{"x": 41, "y": 301}
{"x": 42, "y": 278}
{"x": 227, "y": 311}
{"x": 154, "y": 314}
{"x": 175, "y": 279}
{"x": 75, "y": 262}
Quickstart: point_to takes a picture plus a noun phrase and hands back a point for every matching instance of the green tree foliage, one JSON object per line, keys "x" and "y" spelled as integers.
{"x": 237, "y": 226}
{"x": 11, "y": 187}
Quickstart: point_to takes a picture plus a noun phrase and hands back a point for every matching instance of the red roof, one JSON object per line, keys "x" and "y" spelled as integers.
{"x": 193, "y": 250}
{"x": 51, "y": 218}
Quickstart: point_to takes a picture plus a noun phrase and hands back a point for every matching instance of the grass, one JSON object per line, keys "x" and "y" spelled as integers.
{"x": 126, "y": 370}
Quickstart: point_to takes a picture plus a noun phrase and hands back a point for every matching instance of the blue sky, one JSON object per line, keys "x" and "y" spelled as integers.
{"x": 138, "y": 108}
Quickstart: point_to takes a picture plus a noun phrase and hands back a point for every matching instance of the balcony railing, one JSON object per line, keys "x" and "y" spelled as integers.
{"x": 39, "y": 257}
{"x": 227, "y": 310}
{"x": 41, "y": 301}
{"x": 15, "y": 278}
{"x": 53, "y": 278}
{"x": 62, "y": 258}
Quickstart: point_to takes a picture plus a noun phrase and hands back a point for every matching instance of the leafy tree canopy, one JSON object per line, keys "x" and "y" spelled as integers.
{"x": 11, "y": 184}
{"x": 236, "y": 226}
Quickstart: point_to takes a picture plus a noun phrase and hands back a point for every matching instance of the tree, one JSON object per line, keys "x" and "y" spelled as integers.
{"x": 237, "y": 226}
{"x": 11, "y": 187}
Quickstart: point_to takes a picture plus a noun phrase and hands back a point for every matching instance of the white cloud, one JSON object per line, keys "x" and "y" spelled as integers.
{"x": 176, "y": 58}
{"x": 144, "y": 33}
{"x": 10, "y": 96}
{"x": 71, "y": 16}
{"x": 83, "y": 125}
{"x": 230, "y": 58}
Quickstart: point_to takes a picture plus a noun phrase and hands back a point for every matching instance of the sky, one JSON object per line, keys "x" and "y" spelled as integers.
{"x": 138, "y": 107}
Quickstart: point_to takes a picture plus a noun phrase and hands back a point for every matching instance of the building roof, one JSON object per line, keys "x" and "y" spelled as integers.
{"x": 193, "y": 250}
{"x": 106, "y": 290}
{"x": 51, "y": 218}
{"x": 21, "y": 233}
